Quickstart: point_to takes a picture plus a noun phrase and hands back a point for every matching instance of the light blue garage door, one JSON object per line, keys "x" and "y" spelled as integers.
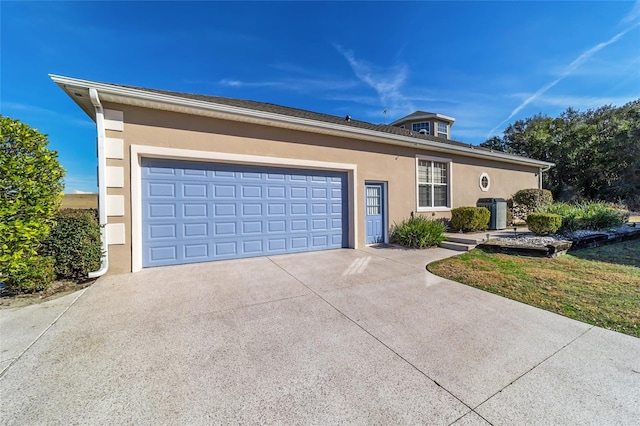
{"x": 197, "y": 212}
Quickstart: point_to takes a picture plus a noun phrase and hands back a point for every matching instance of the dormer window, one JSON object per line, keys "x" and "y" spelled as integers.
{"x": 443, "y": 130}
{"x": 416, "y": 127}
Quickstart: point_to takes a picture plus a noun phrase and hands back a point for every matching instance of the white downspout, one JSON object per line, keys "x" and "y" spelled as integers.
{"x": 540, "y": 179}
{"x": 542, "y": 170}
{"x": 102, "y": 184}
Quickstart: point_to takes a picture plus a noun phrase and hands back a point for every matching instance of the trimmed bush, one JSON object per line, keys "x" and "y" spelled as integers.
{"x": 418, "y": 232}
{"x": 470, "y": 219}
{"x": 74, "y": 243}
{"x": 527, "y": 201}
{"x": 588, "y": 215}
{"x": 544, "y": 223}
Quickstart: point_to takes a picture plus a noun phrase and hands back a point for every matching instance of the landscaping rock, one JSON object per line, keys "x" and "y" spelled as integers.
{"x": 557, "y": 245}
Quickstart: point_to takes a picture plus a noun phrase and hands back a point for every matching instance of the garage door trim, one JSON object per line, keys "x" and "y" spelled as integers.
{"x": 140, "y": 151}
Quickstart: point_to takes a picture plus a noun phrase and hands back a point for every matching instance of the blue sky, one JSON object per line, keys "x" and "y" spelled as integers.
{"x": 485, "y": 63}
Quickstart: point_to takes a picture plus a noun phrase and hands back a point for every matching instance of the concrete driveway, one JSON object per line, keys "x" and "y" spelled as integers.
{"x": 338, "y": 337}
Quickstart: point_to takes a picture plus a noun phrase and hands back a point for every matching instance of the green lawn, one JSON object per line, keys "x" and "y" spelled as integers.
{"x": 598, "y": 286}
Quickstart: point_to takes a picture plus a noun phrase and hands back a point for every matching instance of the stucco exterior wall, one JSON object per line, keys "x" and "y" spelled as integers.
{"x": 394, "y": 165}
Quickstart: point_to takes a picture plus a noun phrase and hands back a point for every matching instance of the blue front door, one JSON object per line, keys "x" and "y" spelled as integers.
{"x": 374, "y": 209}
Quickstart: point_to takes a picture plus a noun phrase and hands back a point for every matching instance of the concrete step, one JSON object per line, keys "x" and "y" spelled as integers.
{"x": 465, "y": 239}
{"x": 451, "y": 245}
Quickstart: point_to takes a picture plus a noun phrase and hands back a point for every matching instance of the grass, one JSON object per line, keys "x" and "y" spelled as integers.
{"x": 599, "y": 286}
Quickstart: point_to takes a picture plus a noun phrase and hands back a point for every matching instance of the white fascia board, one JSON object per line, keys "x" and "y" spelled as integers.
{"x": 197, "y": 107}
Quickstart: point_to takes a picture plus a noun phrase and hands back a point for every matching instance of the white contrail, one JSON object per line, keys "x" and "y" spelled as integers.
{"x": 568, "y": 71}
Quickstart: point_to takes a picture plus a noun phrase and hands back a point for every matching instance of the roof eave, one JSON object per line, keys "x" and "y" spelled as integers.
{"x": 78, "y": 90}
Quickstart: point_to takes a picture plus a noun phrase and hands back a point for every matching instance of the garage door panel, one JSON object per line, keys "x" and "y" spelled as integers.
{"x": 162, "y": 189}
{"x": 206, "y": 211}
{"x": 196, "y": 251}
{"x": 194, "y": 210}
{"x": 224, "y": 191}
{"x": 194, "y": 190}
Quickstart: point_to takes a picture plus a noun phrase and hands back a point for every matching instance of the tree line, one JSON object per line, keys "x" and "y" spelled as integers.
{"x": 596, "y": 152}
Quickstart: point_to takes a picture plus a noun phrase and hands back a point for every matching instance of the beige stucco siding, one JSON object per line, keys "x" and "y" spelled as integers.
{"x": 394, "y": 165}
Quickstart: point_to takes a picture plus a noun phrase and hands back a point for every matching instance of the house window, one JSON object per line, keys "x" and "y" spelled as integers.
{"x": 416, "y": 127}
{"x": 484, "y": 182}
{"x": 433, "y": 183}
{"x": 443, "y": 130}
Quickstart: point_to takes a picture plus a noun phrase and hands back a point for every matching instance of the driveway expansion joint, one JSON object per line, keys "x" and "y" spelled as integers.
{"x": 538, "y": 364}
{"x": 382, "y": 343}
{"x": 16, "y": 359}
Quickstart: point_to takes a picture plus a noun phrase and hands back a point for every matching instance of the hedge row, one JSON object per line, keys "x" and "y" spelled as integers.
{"x": 70, "y": 251}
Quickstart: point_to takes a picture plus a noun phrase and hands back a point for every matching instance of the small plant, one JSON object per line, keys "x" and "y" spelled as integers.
{"x": 418, "y": 232}
{"x": 470, "y": 219}
{"x": 74, "y": 243}
{"x": 544, "y": 223}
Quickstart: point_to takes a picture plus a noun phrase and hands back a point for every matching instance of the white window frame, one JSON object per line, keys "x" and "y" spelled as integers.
{"x": 449, "y": 164}
{"x": 427, "y": 128}
{"x": 482, "y": 176}
{"x": 438, "y": 132}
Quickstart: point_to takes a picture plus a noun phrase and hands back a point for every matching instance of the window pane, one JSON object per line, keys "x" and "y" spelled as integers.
{"x": 424, "y": 196}
{"x": 416, "y": 127}
{"x": 443, "y": 135}
{"x": 373, "y": 200}
{"x": 442, "y": 127}
{"x": 440, "y": 195}
{"x": 423, "y": 171}
{"x": 439, "y": 173}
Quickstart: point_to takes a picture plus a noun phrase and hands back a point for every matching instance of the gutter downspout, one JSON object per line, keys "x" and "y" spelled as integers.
{"x": 542, "y": 170}
{"x": 102, "y": 184}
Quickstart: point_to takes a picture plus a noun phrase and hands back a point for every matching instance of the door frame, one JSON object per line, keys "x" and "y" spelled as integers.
{"x": 385, "y": 208}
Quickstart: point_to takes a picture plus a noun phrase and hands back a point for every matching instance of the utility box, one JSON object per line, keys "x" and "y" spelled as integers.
{"x": 498, "y": 209}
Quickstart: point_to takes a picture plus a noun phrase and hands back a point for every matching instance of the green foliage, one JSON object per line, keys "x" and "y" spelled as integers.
{"x": 32, "y": 273}
{"x": 74, "y": 242}
{"x": 30, "y": 193}
{"x": 543, "y": 223}
{"x": 597, "y": 154}
{"x": 418, "y": 232}
{"x": 470, "y": 219}
{"x": 527, "y": 201}
{"x": 587, "y": 215}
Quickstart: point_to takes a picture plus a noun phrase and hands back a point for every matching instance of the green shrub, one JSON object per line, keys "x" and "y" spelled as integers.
{"x": 418, "y": 232}
{"x": 470, "y": 219}
{"x": 74, "y": 243}
{"x": 30, "y": 192}
{"x": 527, "y": 201}
{"x": 587, "y": 215}
{"x": 33, "y": 273}
{"x": 544, "y": 223}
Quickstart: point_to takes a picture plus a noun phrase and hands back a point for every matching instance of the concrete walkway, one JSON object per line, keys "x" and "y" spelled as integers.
{"x": 337, "y": 337}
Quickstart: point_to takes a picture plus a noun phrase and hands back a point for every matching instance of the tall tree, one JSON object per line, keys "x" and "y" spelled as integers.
{"x": 597, "y": 152}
